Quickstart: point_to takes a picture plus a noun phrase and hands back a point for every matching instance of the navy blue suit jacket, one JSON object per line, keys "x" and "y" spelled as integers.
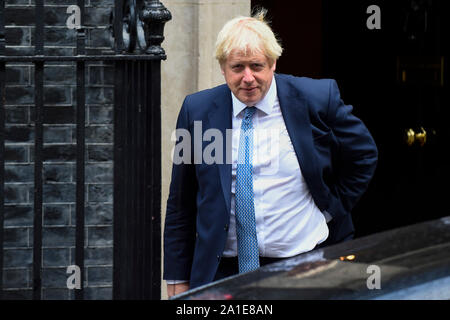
{"x": 336, "y": 153}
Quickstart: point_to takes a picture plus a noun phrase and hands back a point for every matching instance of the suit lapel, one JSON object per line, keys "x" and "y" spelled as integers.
{"x": 220, "y": 118}
{"x": 294, "y": 109}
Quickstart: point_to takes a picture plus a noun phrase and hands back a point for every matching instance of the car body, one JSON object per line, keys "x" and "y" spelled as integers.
{"x": 411, "y": 262}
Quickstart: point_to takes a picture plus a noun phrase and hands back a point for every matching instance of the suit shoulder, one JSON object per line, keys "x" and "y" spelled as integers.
{"x": 206, "y": 95}
{"x": 308, "y": 86}
{"x": 318, "y": 93}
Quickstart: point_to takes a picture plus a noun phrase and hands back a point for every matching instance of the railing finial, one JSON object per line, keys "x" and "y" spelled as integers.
{"x": 154, "y": 15}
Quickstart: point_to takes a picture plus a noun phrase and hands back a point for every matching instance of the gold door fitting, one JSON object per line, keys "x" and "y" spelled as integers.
{"x": 419, "y": 137}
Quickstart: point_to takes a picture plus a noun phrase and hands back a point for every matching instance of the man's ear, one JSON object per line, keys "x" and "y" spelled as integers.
{"x": 274, "y": 66}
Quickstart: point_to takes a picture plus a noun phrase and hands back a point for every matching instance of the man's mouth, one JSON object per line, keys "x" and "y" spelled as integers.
{"x": 249, "y": 89}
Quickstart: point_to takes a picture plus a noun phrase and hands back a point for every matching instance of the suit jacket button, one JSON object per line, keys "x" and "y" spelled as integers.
{"x": 218, "y": 257}
{"x": 226, "y": 227}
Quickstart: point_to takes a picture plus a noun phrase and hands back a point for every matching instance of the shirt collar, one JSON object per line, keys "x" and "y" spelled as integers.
{"x": 265, "y": 105}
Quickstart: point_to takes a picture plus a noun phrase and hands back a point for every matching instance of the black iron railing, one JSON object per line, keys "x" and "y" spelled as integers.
{"x": 2, "y": 136}
{"x": 137, "y": 145}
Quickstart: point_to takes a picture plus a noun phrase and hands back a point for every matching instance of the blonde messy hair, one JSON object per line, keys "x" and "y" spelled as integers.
{"x": 248, "y": 35}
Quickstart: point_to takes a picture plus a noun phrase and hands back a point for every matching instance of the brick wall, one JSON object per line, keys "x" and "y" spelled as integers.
{"x": 59, "y": 154}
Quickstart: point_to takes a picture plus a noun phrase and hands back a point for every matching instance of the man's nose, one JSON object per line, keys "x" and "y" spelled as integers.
{"x": 248, "y": 75}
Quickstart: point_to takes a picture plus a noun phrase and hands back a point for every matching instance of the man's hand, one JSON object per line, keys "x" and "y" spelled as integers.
{"x": 174, "y": 289}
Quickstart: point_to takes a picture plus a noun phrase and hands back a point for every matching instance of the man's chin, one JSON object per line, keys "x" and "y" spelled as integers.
{"x": 249, "y": 101}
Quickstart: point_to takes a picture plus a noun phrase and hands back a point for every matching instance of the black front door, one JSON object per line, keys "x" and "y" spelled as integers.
{"x": 396, "y": 78}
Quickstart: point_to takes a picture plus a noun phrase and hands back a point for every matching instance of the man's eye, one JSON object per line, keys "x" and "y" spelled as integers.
{"x": 236, "y": 67}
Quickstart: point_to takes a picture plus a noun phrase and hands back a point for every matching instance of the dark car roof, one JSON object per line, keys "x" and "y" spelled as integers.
{"x": 411, "y": 262}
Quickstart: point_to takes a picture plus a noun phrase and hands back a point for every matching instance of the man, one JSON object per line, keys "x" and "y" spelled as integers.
{"x": 272, "y": 200}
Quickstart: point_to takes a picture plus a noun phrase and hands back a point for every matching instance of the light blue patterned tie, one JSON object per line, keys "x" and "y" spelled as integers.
{"x": 247, "y": 242}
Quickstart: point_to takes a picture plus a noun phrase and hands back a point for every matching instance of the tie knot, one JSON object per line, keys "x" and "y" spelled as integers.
{"x": 249, "y": 112}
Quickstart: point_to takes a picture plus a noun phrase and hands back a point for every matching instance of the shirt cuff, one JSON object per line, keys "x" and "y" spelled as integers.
{"x": 327, "y": 216}
{"x": 176, "y": 281}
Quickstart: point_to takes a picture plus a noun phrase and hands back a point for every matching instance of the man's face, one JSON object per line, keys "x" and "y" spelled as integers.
{"x": 248, "y": 76}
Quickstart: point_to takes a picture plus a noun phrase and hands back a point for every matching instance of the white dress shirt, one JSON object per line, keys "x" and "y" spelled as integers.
{"x": 288, "y": 222}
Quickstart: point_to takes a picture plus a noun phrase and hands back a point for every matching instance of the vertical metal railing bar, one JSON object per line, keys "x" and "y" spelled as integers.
{"x": 147, "y": 187}
{"x": 119, "y": 223}
{"x": 2, "y": 27}
{"x": 150, "y": 168}
{"x": 133, "y": 171}
{"x": 2, "y": 166}
{"x": 120, "y": 148}
{"x": 151, "y": 175}
{"x": 39, "y": 101}
{"x": 121, "y": 189}
{"x": 2, "y": 137}
{"x": 145, "y": 248}
{"x": 150, "y": 187}
{"x": 127, "y": 165}
{"x": 118, "y": 26}
{"x": 80, "y": 159}
{"x": 128, "y": 194}
{"x": 139, "y": 169}
{"x": 155, "y": 124}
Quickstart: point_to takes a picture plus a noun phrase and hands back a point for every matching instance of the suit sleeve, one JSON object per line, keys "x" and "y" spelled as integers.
{"x": 179, "y": 231}
{"x": 357, "y": 152}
